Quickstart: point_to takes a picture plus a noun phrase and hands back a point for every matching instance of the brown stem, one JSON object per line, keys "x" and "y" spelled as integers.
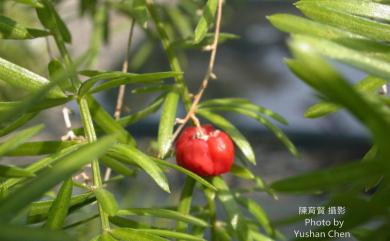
{"x": 209, "y": 75}
{"x": 122, "y": 88}
{"x": 125, "y": 67}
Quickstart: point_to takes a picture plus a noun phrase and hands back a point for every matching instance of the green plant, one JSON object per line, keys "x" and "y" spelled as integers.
{"x": 353, "y": 32}
{"x": 103, "y": 139}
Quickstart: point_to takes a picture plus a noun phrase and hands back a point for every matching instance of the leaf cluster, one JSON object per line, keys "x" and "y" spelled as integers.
{"x": 352, "y": 32}
{"x": 105, "y": 142}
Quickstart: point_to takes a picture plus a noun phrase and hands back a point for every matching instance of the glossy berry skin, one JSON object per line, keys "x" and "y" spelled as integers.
{"x": 210, "y": 154}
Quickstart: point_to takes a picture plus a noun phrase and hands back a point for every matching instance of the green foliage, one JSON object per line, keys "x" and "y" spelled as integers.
{"x": 67, "y": 165}
{"x": 163, "y": 213}
{"x": 15, "y": 141}
{"x": 130, "y": 155}
{"x": 60, "y": 206}
{"x": 190, "y": 174}
{"x": 133, "y": 234}
{"x": 16, "y": 233}
{"x": 167, "y": 122}
{"x": 107, "y": 200}
{"x": 206, "y": 20}
{"x": 51, "y": 20}
{"x": 10, "y": 171}
{"x": 25, "y": 79}
{"x": 107, "y": 123}
{"x": 9, "y": 29}
{"x": 355, "y": 33}
{"x": 369, "y": 85}
{"x": 104, "y": 142}
{"x": 115, "y": 79}
{"x": 39, "y": 211}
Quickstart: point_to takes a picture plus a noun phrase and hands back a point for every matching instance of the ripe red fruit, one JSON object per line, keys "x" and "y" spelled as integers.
{"x": 210, "y": 153}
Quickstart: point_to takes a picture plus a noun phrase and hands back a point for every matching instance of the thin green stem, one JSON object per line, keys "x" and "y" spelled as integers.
{"x": 91, "y": 137}
{"x": 86, "y": 118}
{"x": 210, "y": 195}
{"x": 66, "y": 58}
{"x": 185, "y": 202}
{"x": 59, "y": 40}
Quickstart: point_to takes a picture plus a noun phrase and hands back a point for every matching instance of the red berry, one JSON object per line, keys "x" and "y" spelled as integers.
{"x": 209, "y": 153}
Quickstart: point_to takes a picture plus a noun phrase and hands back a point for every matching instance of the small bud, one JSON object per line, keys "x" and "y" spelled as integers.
{"x": 207, "y": 48}
{"x": 179, "y": 121}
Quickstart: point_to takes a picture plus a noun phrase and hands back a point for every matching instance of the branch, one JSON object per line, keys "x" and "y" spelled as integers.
{"x": 125, "y": 67}
{"x": 91, "y": 137}
{"x": 122, "y": 88}
{"x": 209, "y": 75}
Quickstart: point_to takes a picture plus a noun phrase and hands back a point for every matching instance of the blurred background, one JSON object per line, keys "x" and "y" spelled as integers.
{"x": 250, "y": 67}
